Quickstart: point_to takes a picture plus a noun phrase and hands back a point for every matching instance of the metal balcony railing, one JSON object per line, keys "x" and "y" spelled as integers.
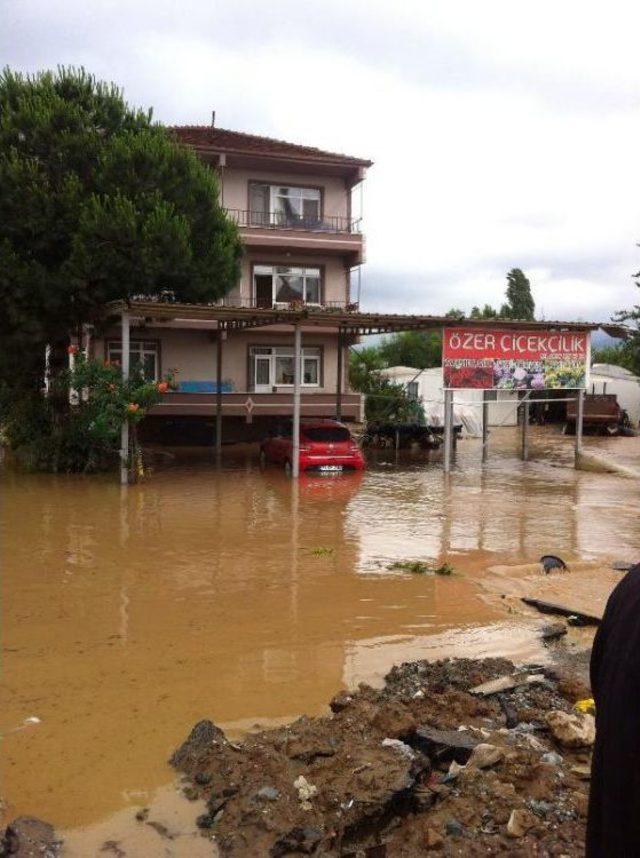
{"x": 284, "y": 220}
{"x": 246, "y": 302}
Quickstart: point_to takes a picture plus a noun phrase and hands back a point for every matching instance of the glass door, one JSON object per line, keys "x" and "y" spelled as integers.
{"x": 262, "y": 368}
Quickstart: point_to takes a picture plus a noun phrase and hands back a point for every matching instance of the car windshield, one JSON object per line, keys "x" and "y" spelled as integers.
{"x": 327, "y": 433}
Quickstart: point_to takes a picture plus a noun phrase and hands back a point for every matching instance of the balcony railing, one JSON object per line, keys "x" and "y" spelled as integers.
{"x": 284, "y": 220}
{"x": 246, "y": 302}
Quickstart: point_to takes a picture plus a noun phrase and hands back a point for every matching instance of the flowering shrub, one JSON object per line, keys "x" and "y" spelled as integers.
{"x": 54, "y": 434}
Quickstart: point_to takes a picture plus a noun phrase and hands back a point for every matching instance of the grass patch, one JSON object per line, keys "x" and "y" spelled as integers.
{"x": 420, "y": 567}
{"x": 322, "y": 551}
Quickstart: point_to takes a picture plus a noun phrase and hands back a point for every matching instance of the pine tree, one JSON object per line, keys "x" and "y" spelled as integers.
{"x": 97, "y": 203}
{"x": 520, "y": 303}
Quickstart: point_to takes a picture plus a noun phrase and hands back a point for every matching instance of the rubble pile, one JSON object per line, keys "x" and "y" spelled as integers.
{"x": 423, "y": 764}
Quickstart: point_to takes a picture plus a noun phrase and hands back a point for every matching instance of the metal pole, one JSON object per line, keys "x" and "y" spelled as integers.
{"x": 448, "y": 414}
{"x": 485, "y": 426}
{"x": 297, "y": 360}
{"x": 219, "y": 390}
{"x": 579, "y": 421}
{"x": 339, "y": 377}
{"x": 124, "y": 431}
{"x": 525, "y": 431}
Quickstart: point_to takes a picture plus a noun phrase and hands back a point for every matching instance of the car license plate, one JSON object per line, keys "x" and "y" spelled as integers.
{"x": 327, "y": 468}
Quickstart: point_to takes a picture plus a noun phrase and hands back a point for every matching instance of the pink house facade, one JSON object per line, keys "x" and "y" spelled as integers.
{"x": 303, "y": 247}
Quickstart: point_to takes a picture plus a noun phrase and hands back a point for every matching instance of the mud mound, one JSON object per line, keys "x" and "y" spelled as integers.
{"x": 421, "y": 764}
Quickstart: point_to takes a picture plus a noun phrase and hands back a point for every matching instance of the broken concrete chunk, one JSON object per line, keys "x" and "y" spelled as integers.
{"x": 506, "y": 683}
{"x": 399, "y": 746}
{"x": 520, "y": 822}
{"x": 445, "y": 745}
{"x": 27, "y": 836}
{"x": 200, "y": 739}
{"x": 572, "y": 730}
{"x": 305, "y": 789}
{"x": 485, "y": 755}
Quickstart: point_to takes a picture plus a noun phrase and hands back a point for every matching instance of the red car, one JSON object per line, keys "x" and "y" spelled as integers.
{"x": 325, "y": 445}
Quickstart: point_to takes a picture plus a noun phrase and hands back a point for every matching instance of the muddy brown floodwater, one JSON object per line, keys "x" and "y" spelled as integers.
{"x": 223, "y": 592}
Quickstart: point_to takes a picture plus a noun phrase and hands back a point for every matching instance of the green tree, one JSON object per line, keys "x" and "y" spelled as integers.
{"x": 520, "y": 303}
{"x": 628, "y": 353}
{"x": 624, "y": 354}
{"x": 487, "y": 312}
{"x": 420, "y": 349}
{"x": 97, "y": 203}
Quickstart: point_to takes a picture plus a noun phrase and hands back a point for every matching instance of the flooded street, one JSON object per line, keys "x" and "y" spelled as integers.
{"x": 229, "y": 593}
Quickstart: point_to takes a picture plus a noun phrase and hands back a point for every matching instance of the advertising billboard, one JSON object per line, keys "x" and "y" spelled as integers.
{"x": 514, "y": 359}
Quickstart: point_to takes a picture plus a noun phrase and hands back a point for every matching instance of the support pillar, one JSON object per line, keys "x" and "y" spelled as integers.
{"x": 525, "y": 430}
{"x": 219, "y": 339}
{"x": 448, "y": 429}
{"x": 579, "y": 422}
{"x": 297, "y": 362}
{"x": 124, "y": 431}
{"x": 339, "y": 376}
{"x": 485, "y": 426}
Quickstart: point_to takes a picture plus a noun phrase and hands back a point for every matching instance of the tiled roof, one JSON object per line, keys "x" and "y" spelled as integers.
{"x": 238, "y": 141}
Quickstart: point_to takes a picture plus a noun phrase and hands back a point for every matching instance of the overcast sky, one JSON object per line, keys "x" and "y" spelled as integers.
{"x": 503, "y": 133}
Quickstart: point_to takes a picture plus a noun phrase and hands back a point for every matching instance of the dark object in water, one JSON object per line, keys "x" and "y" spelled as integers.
{"x": 622, "y": 566}
{"x": 554, "y": 608}
{"x": 550, "y": 561}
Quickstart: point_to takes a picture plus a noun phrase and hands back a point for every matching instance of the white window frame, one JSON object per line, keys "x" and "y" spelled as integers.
{"x": 299, "y": 195}
{"x": 310, "y": 353}
{"x": 306, "y": 271}
{"x": 137, "y": 348}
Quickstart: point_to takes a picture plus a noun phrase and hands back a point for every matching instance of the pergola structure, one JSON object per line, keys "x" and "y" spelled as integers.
{"x": 345, "y": 322}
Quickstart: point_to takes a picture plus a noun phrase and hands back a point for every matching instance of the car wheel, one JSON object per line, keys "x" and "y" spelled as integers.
{"x": 263, "y": 459}
{"x": 288, "y": 468}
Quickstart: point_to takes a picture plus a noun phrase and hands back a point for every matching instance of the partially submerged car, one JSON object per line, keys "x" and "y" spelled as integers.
{"x": 325, "y": 445}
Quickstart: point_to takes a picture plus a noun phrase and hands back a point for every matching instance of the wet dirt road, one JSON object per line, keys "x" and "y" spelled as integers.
{"x": 228, "y": 593}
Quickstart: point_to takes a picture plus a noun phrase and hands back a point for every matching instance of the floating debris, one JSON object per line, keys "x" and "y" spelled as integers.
{"x": 551, "y": 561}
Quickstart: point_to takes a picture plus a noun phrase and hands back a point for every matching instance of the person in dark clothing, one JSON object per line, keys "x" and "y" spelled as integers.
{"x": 613, "y": 825}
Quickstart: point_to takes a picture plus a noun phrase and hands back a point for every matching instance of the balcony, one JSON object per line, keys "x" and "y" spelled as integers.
{"x": 287, "y": 220}
{"x": 246, "y": 302}
{"x": 331, "y": 234}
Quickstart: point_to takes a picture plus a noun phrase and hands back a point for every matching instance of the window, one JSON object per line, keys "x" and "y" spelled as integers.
{"x": 272, "y": 366}
{"x": 283, "y": 205}
{"x": 143, "y": 357}
{"x": 281, "y": 284}
{"x": 412, "y": 389}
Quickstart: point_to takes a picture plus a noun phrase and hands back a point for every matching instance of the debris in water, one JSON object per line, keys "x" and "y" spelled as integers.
{"x": 445, "y": 569}
{"x": 563, "y": 610}
{"x": 550, "y": 561}
{"x": 622, "y": 566}
{"x": 553, "y": 631}
{"x": 416, "y": 567}
{"x": 420, "y": 567}
{"x": 321, "y": 551}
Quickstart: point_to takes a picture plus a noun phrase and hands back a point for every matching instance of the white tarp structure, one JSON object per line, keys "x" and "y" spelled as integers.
{"x": 467, "y": 404}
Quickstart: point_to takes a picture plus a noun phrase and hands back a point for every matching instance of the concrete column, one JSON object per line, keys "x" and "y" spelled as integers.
{"x": 124, "y": 432}
{"x": 525, "y": 430}
{"x": 219, "y": 339}
{"x": 340, "y": 373}
{"x": 448, "y": 429}
{"x": 485, "y": 426}
{"x": 297, "y": 360}
{"x": 579, "y": 422}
